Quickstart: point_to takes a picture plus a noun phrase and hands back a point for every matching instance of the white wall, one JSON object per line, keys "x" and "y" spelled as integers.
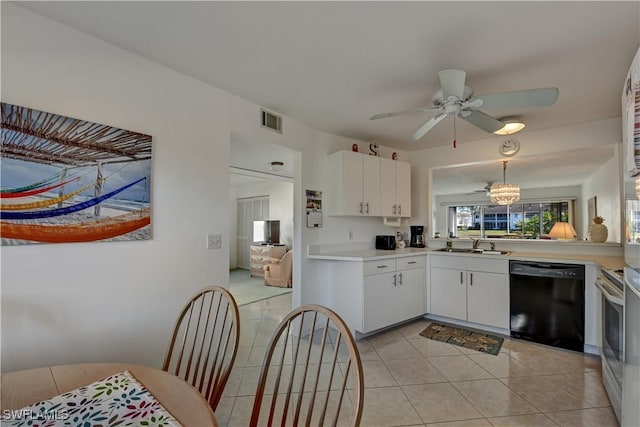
{"x": 604, "y": 184}
{"x": 114, "y": 301}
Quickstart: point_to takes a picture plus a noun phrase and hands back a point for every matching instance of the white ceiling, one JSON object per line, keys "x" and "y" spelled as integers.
{"x": 248, "y": 157}
{"x": 332, "y": 65}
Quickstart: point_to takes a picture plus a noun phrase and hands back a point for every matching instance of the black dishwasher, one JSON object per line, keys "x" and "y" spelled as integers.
{"x": 547, "y": 303}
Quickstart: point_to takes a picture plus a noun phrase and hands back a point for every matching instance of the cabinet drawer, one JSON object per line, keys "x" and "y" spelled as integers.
{"x": 405, "y": 263}
{"x": 472, "y": 262}
{"x": 379, "y": 267}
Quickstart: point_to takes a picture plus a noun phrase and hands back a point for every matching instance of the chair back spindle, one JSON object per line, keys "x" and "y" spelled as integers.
{"x": 205, "y": 341}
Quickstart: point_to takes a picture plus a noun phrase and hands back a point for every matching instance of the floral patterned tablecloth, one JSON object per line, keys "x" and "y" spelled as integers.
{"x": 118, "y": 400}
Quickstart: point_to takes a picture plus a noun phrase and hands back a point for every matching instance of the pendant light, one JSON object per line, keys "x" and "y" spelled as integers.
{"x": 504, "y": 194}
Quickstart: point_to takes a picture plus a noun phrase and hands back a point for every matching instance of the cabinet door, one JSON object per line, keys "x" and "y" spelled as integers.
{"x": 403, "y": 189}
{"x": 371, "y": 185}
{"x": 411, "y": 284}
{"x": 449, "y": 293}
{"x": 352, "y": 184}
{"x": 488, "y": 299}
{"x": 388, "y": 205}
{"x": 380, "y": 308}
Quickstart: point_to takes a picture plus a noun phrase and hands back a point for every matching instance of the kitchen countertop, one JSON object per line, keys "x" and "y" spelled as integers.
{"x": 604, "y": 261}
{"x": 368, "y": 254}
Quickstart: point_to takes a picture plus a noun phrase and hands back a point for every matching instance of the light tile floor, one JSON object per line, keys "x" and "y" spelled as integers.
{"x": 415, "y": 381}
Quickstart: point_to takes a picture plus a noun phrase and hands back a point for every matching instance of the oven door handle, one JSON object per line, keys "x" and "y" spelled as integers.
{"x": 608, "y": 295}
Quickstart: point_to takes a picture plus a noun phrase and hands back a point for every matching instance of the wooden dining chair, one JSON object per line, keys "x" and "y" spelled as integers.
{"x": 205, "y": 340}
{"x": 311, "y": 374}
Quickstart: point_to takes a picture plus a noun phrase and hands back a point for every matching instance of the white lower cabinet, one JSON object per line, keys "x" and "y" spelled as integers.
{"x": 391, "y": 298}
{"x": 475, "y": 296}
{"x": 376, "y": 294}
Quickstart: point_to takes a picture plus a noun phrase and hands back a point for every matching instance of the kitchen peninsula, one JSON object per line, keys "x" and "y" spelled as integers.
{"x": 375, "y": 289}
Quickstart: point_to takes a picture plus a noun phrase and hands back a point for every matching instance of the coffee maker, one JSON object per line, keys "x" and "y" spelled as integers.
{"x": 417, "y": 236}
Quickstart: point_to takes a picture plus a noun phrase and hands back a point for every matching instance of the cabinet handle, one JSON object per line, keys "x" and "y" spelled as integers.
{"x": 395, "y": 281}
{"x": 399, "y": 209}
{"x": 461, "y": 277}
{"x": 471, "y": 279}
{"x": 382, "y": 266}
{"x": 394, "y": 209}
{"x": 360, "y": 207}
{"x": 400, "y": 279}
{"x": 367, "y": 205}
{"x": 411, "y": 262}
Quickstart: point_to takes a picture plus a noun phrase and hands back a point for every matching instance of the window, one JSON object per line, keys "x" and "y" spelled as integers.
{"x": 526, "y": 220}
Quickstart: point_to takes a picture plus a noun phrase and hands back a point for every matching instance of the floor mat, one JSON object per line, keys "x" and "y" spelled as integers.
{"x": 464, "y": 338}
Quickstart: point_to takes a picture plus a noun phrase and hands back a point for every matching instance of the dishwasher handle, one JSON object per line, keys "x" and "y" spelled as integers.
{"x": 542, "y": 269}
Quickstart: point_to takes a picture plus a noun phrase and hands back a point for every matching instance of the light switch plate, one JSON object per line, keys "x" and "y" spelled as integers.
{"x": 214, "y": 241}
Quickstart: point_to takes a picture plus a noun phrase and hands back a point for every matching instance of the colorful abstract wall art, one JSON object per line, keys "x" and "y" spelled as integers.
{"x": 65, "y": 180}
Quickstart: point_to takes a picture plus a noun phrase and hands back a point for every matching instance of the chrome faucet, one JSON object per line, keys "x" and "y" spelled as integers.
{"x": 476, "y": 243}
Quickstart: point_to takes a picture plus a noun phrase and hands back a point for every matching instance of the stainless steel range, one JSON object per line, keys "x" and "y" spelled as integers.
{"x": 611, "y": 285}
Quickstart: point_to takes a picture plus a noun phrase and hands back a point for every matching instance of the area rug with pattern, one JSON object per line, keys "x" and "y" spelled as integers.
{"x": 464, "y": 338}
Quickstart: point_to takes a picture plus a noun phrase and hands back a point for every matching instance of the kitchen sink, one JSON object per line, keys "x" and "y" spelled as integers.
{"x": 472, "y": 251}
{"x": 490, "y": 252}
{"x": 454, "y": 250}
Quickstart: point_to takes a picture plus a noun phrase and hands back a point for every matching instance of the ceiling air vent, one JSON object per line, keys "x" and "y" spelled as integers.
{"x": 270, "y": 120}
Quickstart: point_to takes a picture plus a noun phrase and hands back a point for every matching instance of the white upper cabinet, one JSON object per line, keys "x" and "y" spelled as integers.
{"x": 395, "y": 184}
{"x": 355, "y": 184}
{"x": 364, "y": 185}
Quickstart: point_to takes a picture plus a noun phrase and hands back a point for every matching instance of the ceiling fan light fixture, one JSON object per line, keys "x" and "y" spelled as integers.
{"x": 510, "y": 127}
{"x": 504, "y": 194}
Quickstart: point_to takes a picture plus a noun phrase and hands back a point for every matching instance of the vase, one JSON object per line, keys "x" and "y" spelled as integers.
{"x": 598, "y": 233}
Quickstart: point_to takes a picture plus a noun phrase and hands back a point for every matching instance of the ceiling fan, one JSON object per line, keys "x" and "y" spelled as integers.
{"x": 455, "y": 98}
{"x": 486, "y": 189}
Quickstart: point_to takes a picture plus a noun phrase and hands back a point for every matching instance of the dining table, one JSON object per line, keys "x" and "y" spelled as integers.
{"x": 27, "y": 387}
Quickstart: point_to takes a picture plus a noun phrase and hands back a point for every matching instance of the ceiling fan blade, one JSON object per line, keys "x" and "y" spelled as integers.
{"x": 482, "y": 120}
{"x": 427, "y": 126}
{"x": 452, "y": 82}
{"x": 398, "y": 113}
{"x": 542, "y": 97}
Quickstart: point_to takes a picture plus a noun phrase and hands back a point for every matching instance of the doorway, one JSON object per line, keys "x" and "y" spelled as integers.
{"x": 258, "y": 192}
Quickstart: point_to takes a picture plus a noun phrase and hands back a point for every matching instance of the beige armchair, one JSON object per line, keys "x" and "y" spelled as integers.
{"x": 277, "y": 272}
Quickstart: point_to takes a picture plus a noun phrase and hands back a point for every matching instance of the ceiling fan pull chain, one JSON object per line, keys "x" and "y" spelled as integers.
{"x": 454, "y": 132}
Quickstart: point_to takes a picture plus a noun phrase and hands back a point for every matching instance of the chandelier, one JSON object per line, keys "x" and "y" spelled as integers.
{"x": 504, "y": 194}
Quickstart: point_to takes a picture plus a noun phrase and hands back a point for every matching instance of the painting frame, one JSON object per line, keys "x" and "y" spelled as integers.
{"x": 68, "y": 180}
